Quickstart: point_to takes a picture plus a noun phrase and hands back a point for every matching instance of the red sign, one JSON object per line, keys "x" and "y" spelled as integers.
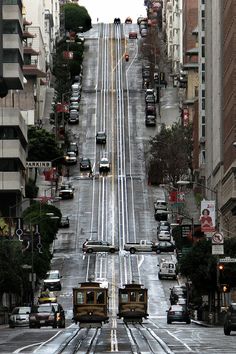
{"x": 173, "y": 197}
{"x": 185, "y": 117}
{"x": 68, "y": 55}
{"x": 62, "y": 108}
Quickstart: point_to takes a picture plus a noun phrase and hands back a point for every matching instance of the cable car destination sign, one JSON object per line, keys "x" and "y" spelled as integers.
{"x": 32, "y": 164}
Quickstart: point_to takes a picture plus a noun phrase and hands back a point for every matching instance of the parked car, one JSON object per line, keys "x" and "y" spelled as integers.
{"x": 71, "y": 158}
{"x": 165, "y": 246}
{"x": 164, "y": 235}
{"x": 104, "y": 165}
{"x": 47, "y": 297}
{"x": 64, "y": 222}
{"x": 42, "y": 316}
{"x": 52, "y": 281}
{"x": 85, "y": 164}
{"x": 75, "y": 97}
{"x": 116, "y": 21}
{"x": 66, "y": 192}
{"x": 101, "y": 137}
{"x": 150, "y": 108}
{"x": 19, "y": 316}
{"x": 163, "y": 226}
{"x": 74, "y": 106}
{"x": 150, "y": 99}
{"x": 133, "y": 35}
{"x": 73, "y": 117}
{"x": 230, "y": 319}
{"x": 177, "y": 292}
{"x": 178, "y": 313}
{"x": 144, "y": 32}
{"x": 90, "y": 246}
{"x": 160, "y": 205}
{"x": 128, "y": 20}
{"x": 73, "y": 147}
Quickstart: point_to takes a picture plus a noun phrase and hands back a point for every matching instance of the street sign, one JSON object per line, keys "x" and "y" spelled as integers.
{"x": 217, "y": 238}
{"x": 217, "y": 249}
{"x": 227, "y": 260}
{"x": 186, "y": 230}
{"x": 31, "y": 164}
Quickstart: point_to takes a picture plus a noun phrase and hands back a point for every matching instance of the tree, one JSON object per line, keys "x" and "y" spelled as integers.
{"x": 11, "y": 271}
{"x": 76, "y": 18}
{"x": 42, "y": 146}
{"x": 171, "y": 153}
{"x": 36, "y": 214}
{"x": 199, "y": 265}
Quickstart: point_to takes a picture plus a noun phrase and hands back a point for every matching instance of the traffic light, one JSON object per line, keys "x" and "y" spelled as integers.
{"x": 221, "y": 266}
{"x": 225, "y": 288}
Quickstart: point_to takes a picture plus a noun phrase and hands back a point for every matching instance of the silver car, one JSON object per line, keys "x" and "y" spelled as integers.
{"x": 19, "y": 316}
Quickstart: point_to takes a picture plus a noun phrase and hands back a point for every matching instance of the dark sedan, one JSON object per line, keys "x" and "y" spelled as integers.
{"x": 178, "y": 313}
{"x": 85, "y": 164}
{"x": 42, "y": 316}
{"x": 165, "y": 246}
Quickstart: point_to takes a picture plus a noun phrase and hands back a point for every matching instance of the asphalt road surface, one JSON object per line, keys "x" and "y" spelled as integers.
{"x": 115, "y": 207}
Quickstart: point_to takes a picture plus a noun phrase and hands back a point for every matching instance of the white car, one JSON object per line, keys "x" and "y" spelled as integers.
{"x": 104, "y": 165}
{"x": 164, "y": 236}
{"x": 71, "y": 158}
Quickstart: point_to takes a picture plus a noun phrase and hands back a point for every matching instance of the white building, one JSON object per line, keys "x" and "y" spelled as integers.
{"x": 174, "y": 33}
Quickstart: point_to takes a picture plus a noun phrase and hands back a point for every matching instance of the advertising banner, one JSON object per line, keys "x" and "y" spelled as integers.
{"x": 208, "y": 216}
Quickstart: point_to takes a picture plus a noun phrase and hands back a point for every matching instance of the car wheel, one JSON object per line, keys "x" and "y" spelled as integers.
{"x": 159, "y": 276}
{"x": 90, "y": 250}
{"x": 31, "y": 326}
{"x": 158, "y": 251}
{"x": 62, "y": 325}
{"x": 112, "y": 250}
{"x": 188, "y": 321}
{"x": 132, "y": 250}
{"x": 54, "y": 325}
{"x": 169, "y": 321}
{"x": 11, "y": 325}
{"x": 227, "y": 331}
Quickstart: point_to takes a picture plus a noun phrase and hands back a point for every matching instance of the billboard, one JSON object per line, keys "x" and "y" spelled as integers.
{"x": 208, "y": 216}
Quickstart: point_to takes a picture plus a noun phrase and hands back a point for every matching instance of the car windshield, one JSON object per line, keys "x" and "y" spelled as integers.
{"x": 19, "y": 310}
{"x": 42, "y": 309}
{"x": 52, "y": 276}
{"x": 101, "y": 134}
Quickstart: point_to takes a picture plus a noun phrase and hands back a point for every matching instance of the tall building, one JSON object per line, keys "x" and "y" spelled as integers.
{"x": 228, "y": 194}
{"x": 11, "y": 49}
{"x": 13, "y": 129}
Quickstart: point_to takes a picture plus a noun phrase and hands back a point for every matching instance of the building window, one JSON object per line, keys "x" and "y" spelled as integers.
{"x": 12, "y": 2}
{"x": 203, "y": 104}
{"x": 203, "y": 132}
{"x": 203, "y": 77}
{"x": 11, "y": 27}
{"x": 12, "y": 56}
{"x": 8, "y": 133}
{"x": 203, "y": 93}
{"x": 203, "y": 156}
{"x": 9, "y": 165}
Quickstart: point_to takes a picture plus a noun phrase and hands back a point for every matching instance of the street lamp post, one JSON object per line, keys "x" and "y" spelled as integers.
{"x": 32, "y": 275}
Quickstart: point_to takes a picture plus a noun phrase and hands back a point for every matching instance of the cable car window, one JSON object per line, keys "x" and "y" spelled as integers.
{"x": 100, "y": 297}
{"x": 80, "y": 297}
{"x": 90, "y": 297}
{"x": 124, "y": 297}
{"x": 141, "y": 297}
{"x": 132, "y": 296}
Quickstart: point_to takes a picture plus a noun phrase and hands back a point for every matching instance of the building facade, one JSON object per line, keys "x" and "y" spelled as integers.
{"x": 13, "y": 129}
